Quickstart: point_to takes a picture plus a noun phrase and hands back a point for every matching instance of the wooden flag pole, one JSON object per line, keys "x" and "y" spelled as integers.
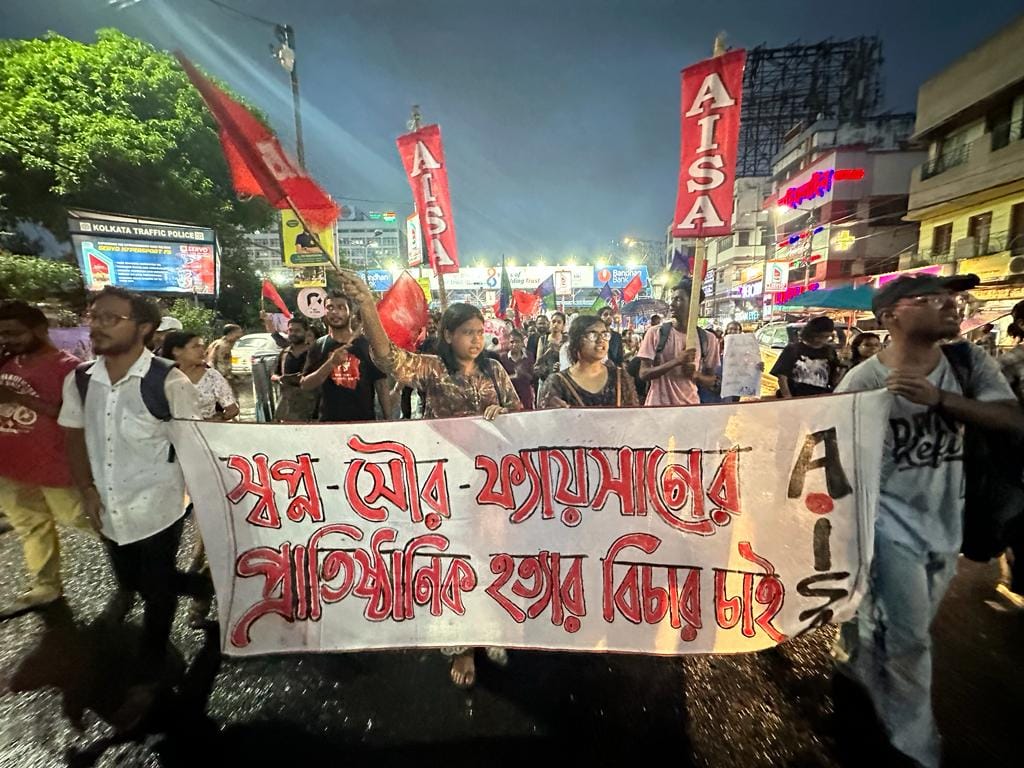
{"x": 696, "y": 279}
{"x": 697, "y": 274}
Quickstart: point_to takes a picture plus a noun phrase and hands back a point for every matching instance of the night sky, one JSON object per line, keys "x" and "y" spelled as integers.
{"x": 560, "y": 117}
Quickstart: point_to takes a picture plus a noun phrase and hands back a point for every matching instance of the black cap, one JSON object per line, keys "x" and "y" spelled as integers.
{"x": 919, "y": 285}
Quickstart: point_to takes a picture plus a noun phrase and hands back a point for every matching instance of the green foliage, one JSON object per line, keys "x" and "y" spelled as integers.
{"x": 195, "y": 318}
{"x": 116, "y": 126}
{"x": 34, "y": 279}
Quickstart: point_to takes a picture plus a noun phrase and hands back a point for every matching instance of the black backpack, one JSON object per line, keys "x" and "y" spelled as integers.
{"x": 151, "y": 388}
{"x": 993, "y": 474}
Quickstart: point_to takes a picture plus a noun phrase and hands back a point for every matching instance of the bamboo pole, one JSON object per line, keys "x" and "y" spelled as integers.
{"x": 696, "y": 277}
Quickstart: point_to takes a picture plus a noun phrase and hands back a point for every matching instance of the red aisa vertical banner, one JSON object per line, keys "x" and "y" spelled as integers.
{"x": 423, "y": 157}
{"x": 710, "y": 126}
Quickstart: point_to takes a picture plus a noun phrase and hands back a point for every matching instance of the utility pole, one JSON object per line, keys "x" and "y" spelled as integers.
{"x": 285, "y": 56}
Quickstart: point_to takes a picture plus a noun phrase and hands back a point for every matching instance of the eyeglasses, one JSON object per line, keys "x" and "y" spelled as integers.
{"x": 594, "y": 336}
{"x": 933, "y": 300}
{"x": 104, "y": 319}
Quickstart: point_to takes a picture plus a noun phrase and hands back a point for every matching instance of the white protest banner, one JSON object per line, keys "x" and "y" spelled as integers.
{"x": 741, "y": 366}
{"x": 722, "y": 528}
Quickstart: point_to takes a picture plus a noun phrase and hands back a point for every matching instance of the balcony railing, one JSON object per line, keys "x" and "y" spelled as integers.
{"x": 1001, "y": 242}
{"x": 1007, "y": 133}
{"x": 945, "y": 161}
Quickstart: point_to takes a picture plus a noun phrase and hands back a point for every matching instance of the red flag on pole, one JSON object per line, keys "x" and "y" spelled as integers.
{"x": 633, "y": 288}
{"x": 525, "y": 302}
{"x": 709, "y": 134}
{"x": 404, "y": 312}
{"x": 423, "y": 157}
{"x": 259, "y": 166}
{"x": 270, "y": 293}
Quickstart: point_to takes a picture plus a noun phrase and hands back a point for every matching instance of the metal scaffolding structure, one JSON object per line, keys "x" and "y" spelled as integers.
{"x": 783, "y": 87}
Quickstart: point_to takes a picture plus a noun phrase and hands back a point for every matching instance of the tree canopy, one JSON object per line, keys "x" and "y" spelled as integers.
{"x": 116, "y": 126}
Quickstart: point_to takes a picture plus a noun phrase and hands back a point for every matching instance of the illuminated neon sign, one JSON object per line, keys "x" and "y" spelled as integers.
{"x": 782, "y": 297}
{"x": 801, "y": 262}
{"x": 844, "y": 240}
{"x": 796, "y": 237}
{"x": 819, "y": 184}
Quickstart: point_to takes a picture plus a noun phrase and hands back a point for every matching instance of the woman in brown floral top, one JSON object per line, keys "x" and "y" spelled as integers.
{"x": 592, "y": 380}
{"x": 458, "y": 381}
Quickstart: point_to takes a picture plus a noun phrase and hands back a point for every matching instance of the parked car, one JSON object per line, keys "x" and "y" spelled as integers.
{"x": 246, "y": 347}
{"x": 773, "y": 338}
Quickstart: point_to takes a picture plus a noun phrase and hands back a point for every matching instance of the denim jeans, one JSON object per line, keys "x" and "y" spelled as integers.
{"x": 887, "y": 647}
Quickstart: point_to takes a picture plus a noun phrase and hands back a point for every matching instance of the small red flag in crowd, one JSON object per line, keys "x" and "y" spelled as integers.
{"x": 403, "y": 312}
{"x": 526, "y": 303}
{"x": 270, "y": 293}
{"x": 633, "y": 288}
{"x": 259, "y": 166}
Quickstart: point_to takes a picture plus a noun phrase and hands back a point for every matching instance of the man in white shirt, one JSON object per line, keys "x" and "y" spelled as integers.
{"x": 124, "y": 465}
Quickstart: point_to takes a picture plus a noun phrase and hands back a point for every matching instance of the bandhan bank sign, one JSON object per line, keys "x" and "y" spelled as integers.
{"x": 618, "y": 277}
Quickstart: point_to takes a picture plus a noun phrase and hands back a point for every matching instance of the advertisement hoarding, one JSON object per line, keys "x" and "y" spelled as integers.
{"x": 147, "y": 265}
{"x": 413, "y": 240}
{"x": 298, "y": 248}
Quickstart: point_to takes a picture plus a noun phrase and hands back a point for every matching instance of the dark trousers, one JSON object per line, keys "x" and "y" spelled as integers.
{"x": 406, "y": 402}
{"x": 1015, "y": 541}
{"x": 149, "y": 567}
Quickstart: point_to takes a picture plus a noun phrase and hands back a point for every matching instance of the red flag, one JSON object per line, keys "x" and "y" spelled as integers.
{"x": 704, "y": 272}
{"x": 525, "y": 302}
{"x": 633, "y": 288}
{"x": 270, "y": 292}
{"x": 709, "y": 134}
{"x": 403, "y": 311}
{"x": 259, "y": 166}
{"x": 423, "y": 157}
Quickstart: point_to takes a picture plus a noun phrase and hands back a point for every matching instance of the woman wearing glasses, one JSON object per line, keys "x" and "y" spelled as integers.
{"x": 592, "y": 380}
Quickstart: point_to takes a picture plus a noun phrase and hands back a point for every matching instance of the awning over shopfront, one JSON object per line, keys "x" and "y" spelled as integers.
{"x": 847, "y": 297}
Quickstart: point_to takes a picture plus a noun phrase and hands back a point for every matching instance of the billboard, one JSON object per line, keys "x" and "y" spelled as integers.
{"x": 618, "y": 276}
{"x": 379, "y": 280}
{"x": 522, "y": 278}
{"x": 413, "y": 240}
{"x": 563, "y": 282}
{"x": 776, "y": 276}
{"x": 144, "y": 255}
{"x": 298, "y": 248}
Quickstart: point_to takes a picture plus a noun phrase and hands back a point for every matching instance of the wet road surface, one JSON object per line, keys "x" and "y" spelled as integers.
{"x": 63, "y": 674}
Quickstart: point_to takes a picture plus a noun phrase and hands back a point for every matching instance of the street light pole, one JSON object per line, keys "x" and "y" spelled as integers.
{"x": 286, "y": 57}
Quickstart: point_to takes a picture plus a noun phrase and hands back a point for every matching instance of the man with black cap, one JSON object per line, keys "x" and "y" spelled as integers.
{"x": 919, "y": 527}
